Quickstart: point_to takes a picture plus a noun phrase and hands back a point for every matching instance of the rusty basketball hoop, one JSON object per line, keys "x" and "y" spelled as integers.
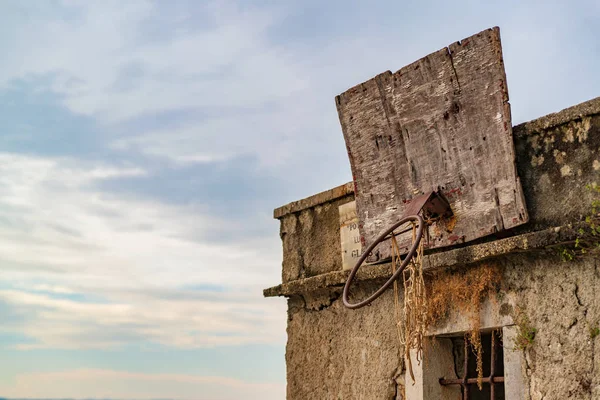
{"x": 434, "y": 207}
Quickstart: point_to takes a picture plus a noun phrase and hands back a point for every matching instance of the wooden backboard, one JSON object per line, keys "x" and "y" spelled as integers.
{"x": 441, "y": 123}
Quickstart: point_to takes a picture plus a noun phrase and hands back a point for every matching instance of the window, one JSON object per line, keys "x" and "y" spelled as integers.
{"x": 465, "y": 365}
{"x": 444, "y": 357}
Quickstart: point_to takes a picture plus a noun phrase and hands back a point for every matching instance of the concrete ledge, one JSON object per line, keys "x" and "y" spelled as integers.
{"x": 319, "y": 198}
{"x": 461, "y": 256}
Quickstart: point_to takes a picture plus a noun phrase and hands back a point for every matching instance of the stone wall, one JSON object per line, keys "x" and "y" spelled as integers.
{"x": 557, "y": 156}
{"x": 336, "y": 353}
{"x": 310, "y": 233}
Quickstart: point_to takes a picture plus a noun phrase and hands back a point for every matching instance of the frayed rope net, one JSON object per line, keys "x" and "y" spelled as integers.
{"x": 411, "y": 318}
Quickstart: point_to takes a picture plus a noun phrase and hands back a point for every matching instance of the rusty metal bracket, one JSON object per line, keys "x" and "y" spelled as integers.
{"x": 433, "y": 205}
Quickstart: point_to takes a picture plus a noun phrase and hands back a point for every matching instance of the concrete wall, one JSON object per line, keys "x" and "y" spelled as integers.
{"x": 310, "y": 234}
{"x": 336, "y": 353}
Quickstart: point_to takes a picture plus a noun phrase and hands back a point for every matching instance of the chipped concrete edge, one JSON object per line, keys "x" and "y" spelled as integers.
{"x": 462, "y": 256}
{"x": 311, "y": 201}
{"x": 585, "y": 109}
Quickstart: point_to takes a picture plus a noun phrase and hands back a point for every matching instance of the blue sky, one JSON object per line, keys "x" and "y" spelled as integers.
{"x": 143, "y": 146}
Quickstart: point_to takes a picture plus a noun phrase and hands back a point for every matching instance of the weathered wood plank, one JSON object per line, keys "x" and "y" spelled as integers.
{"x": 440, "y": 123}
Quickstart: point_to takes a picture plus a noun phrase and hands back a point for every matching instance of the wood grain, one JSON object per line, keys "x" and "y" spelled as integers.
{"x": 441, "y": 123}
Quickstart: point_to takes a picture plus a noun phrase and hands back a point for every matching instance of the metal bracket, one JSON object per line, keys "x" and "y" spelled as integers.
{"x": 433, "y": 204}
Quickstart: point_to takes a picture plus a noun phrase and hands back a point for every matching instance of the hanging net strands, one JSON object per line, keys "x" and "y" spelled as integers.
{"x": 411, "y": 319}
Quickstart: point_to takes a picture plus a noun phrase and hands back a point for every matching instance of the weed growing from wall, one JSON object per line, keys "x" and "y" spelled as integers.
{"x": 588, "y": 237}
{"x": 527, "y": 332}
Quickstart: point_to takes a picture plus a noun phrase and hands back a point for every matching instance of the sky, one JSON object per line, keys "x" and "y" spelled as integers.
{"x": 145, "y": 144}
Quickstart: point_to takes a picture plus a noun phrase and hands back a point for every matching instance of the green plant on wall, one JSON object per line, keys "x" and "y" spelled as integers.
{"x": 588, "y": 236}
{"x": 567, "y": 254}
{"x": 527, "y": 331}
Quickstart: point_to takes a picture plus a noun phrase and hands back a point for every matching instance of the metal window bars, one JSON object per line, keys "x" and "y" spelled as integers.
{"x": 495, "y": 378}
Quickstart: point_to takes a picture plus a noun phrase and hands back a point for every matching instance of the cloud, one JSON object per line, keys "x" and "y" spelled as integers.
{"x": 65, "y": 241}
{"x": 265, "y": 135}
{"x": 192, "y": 320}
{"x": 84, "y": 225}
{"x": 244, "y": 94}
{"x": 42, "y": 287}
{"x": 104, "y": 64}
{"x": 100, "y": 383}
{"x": 256, "y": 80}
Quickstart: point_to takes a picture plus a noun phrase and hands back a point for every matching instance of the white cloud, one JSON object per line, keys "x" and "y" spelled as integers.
{"x": 95, "y": 383}
{"x": 266, "y": 135}
{"x": 101, "y": 64}
{"x": 226, "y": 61}
{"x": 184, "y": 321}
{"x": 251, "y": 95}
{"x": 136, "y": 255}
{"x": 42, "y": 287}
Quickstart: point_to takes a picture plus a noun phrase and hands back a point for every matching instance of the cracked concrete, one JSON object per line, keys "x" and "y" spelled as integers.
{"x": 561, "y": 301}
{"x": 336, "y": 353}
